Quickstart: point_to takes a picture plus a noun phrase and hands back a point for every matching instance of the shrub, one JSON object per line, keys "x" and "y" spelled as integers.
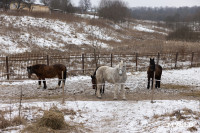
{"x": 184, "y": 33}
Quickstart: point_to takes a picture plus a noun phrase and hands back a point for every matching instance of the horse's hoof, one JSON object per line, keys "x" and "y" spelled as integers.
{"x": 124, "y": 99}
{"x": 114, "y": 98}
{"x": 99, "y": 97}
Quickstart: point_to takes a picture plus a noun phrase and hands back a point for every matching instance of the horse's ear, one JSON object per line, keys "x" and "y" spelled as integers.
{"x": 153, "y": 59}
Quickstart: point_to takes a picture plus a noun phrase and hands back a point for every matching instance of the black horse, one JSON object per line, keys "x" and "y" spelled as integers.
{"x": 43, "y": 71}
{"x": 150, "y": 73}
{"x": 94, "y": 82}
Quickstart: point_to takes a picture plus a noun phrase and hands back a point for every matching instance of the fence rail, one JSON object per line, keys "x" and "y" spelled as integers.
{"x": 14, "y": 66}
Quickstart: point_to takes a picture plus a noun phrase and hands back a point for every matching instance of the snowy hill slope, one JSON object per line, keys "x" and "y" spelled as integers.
{"x": 20, "y": 34}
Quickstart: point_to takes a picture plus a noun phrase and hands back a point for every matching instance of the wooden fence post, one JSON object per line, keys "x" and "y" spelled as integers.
{"x": 111, "y": 59}
{"x": 176, "y": 59}
{"x": 48, "y": 60}
{"x": 192, "y": 59}
{"x": 83, "y": 63}
{"x": 152, "y": 87}
{"x": 136, "y": 60}
{"x": 7, "y": 68}
{"x": 158, "y": 58}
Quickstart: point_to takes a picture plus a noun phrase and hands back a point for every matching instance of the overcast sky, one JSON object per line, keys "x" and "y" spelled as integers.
{"x": 151, "y": 3}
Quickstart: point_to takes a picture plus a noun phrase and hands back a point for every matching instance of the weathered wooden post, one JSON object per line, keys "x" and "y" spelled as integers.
{"x": 63, "y": 88}
{"x": 7, "y": 68}
{"x": 48, "y": 60}
{"x": 83, "y": 64}
{"x": 192, "y": 58}
{"x": 136, "y": 60}
{"x": 152, "y": 87}
{"x": 111, "y": 59}
{"x": 158, "y": 58}
{"x": 176, "y": 59}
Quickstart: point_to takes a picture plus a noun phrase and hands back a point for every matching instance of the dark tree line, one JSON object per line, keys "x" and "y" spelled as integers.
{"x": 168, "y": 14}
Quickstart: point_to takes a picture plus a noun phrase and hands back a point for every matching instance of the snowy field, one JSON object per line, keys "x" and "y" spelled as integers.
{"x": 105, "y": 115}
{"x": 123, "y": 116}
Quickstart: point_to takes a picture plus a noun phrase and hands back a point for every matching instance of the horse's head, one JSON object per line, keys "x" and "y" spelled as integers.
{"x": 122, "y": 67}
{"x": 30, "y": 71}
{"x": 152, "y": 64}
{"x": 93, "y": 77}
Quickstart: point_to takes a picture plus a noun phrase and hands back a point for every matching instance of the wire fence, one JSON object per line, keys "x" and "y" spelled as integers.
{"x": 14, "y": 66}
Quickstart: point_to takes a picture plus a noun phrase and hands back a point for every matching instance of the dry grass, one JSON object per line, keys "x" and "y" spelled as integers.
{"x": 52, "y": 121}
{"x": 192, "y": 129}
{"x": 177, "y": 87}
{"x": 193, "y": 94}
{"x": 182, "y": 114}
{"x": 16, "y": 121}
{"x": 4, "y": 123}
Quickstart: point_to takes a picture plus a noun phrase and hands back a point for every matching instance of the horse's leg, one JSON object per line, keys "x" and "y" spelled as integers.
{"x": 116, "y": 91}
{"x": 44, "y": 82}
{"x": 59, "y": 82}
{"x": 103, "y": 87}
{"x": 152, "y": 82}
{"x": 99, "y": 86}
{"x": 148, "y": 85}
{"x": 123, "y": 92}
{"x": 39, "y": 83}
{"x": 156, "y": 85}
{"x": 159, "y": 83}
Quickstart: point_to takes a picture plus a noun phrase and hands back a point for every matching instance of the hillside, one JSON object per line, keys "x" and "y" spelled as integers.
{"x": 21, "y": 32}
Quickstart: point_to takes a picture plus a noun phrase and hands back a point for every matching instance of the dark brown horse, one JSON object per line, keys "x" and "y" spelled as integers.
{"x": 150, "y": 73}
{"x": 43, "y": 71}
{"x": 94, "y": 83}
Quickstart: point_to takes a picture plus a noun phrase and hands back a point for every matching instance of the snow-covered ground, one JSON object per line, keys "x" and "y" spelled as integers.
{"x": 122, "y": 116}
{"x": 118, "y": 116}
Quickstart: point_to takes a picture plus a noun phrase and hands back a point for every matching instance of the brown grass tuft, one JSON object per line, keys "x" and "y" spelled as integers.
{"x": 4, "y": 123}
{"x": 53, "y": 119}
{"x": 192, "y": 129}
{"x": 18, "y": 121}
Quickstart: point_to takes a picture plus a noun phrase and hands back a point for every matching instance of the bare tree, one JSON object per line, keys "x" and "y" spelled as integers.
{"x": 62, "y": 5}
{"x": 45, "y": 2}
{"x": 29, "y": 4}
{"x": 5, "y": 4}
{"x": 84, "y": 5}
{"x": 115, "y": 10}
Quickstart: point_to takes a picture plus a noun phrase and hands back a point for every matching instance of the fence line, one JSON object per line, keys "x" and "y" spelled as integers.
{"x": 85, "y": 61}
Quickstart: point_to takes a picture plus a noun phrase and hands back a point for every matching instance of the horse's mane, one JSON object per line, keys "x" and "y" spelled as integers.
{"x": 94, "y": 74}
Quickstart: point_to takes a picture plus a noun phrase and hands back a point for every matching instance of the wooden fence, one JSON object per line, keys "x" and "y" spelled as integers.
{"x": 14, "y": 66}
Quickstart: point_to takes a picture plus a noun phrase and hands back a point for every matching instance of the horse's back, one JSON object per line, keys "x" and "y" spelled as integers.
{"x": 45, "y": 71}
{"x": 59, "y": 67}
{"x": 103, "y": 73}
{"x": 109, "y": 74}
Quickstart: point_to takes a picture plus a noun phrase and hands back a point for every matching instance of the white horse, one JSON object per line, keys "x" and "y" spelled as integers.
{"x": 116, "y": 75}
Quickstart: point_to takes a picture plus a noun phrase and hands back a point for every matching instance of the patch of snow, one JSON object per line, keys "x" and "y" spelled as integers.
{"x": 140, "y": 27}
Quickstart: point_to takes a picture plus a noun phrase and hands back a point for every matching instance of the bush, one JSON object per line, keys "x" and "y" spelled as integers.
{"x": 184, "y": 33}
{"x": 116, "y": 10}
